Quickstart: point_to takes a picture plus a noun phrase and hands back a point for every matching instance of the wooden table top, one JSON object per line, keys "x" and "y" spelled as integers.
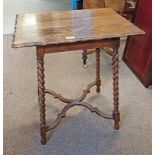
{"x": 41, "y": 29}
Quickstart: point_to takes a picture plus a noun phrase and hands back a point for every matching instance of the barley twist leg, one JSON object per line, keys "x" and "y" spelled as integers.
{"x": 98, "y": 80}
{"x": 41, "y": 98}
{"x": 115, "y": 67}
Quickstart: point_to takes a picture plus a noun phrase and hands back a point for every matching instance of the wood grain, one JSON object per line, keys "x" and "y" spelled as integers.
{"x": 70, "y": 26}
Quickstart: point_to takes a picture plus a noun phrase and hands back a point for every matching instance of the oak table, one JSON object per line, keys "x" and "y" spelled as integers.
{"x": 69, "y": 31}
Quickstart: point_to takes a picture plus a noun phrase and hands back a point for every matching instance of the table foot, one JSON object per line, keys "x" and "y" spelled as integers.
{"x": 43, "y": 131}
{"x": 116, "y": 120}
{"x": 84, "y": 57}
{"x": 116, "y": 126}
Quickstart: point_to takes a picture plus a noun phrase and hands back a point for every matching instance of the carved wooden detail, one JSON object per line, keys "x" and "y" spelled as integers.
{"x": 81, "y": 98}
{"x": 78, "y": 101}
{"x": 41, "y": 88}
{"x": 98, "y": 80}
{"x": 41, "y": 97}
{"x": 115, "y": 68}
{"x": 62, "y": 114}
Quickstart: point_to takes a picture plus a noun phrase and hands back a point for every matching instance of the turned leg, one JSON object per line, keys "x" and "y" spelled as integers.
{"x": 98, "y": 80}
{"x": 41, "y": 94}
{"x": 116, "y": 114}
{"x": 84, "y": 57}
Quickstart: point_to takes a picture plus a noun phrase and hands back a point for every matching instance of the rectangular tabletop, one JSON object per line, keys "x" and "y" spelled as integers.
{"x": 41, "y": 29}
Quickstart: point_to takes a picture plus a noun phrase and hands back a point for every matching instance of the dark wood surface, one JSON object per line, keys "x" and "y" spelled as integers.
{"x": 70, "y": 26}
{"x": 138, "y": 51}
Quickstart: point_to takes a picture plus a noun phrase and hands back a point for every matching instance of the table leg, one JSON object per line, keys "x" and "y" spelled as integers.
{"x": 41, "y": 94}
{"x": 84, "y": 57}
{"x": 115, "y": 61}
{"x": 98, "y": 80}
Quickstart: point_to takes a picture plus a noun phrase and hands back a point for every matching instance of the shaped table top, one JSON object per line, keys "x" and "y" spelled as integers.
{"x": 40, "y": 29}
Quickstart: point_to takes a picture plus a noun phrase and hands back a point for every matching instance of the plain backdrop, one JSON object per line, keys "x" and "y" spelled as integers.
{"x": 13, "y": 7}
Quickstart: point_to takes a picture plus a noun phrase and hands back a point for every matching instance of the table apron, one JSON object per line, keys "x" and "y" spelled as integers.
{"x": 81, "y": 45}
